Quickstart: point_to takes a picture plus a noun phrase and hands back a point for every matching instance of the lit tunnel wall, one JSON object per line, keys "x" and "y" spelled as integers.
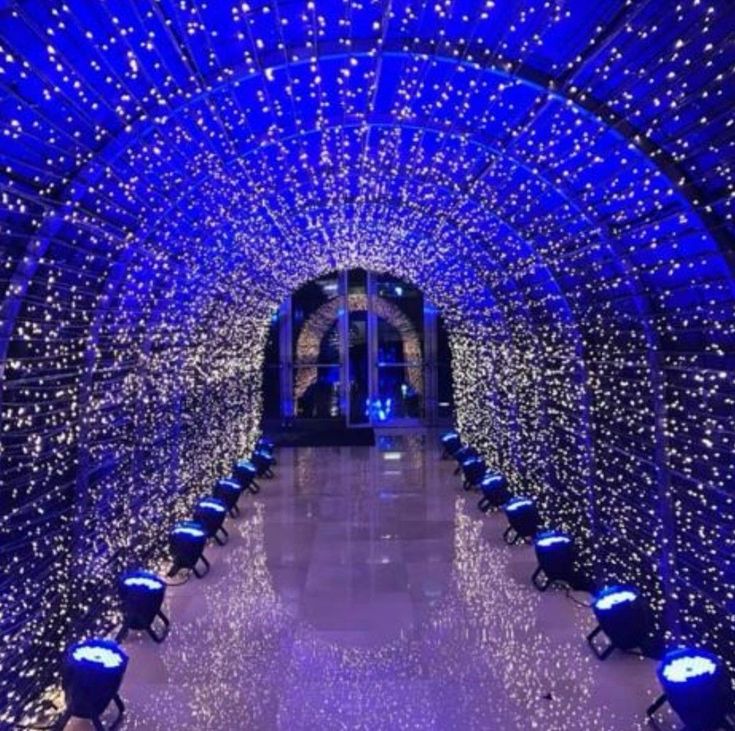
{"x": 556, "y": 176}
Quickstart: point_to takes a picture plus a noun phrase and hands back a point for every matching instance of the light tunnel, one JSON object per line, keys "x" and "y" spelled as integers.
{"x": 556, "y": 176}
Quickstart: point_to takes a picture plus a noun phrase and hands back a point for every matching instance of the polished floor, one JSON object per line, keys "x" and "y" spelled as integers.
{"x": 362, "y": 589}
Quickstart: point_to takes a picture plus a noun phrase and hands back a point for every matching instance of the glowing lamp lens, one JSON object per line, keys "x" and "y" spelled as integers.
{"x": 188, "y": 530}
{"x": 614, "y": 599}
{"x": 686, "y": 667}
{"x": 104, "y": 656}
{"x": 553, "y": 540}
{"x": 145, "y": 582}
{"x": 213, "y": 505}
{"x": 518, "y": 504}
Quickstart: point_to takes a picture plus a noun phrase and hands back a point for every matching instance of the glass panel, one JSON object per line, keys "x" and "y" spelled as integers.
{"x": 400, "y": 304}
{"x": 385, "y": 376}
{"x": 357, "y": 281}
{"x": 316, "y": 392}
{"x": 315, "y": 310}
{"x": 400, "y": 315}
{"x": 400, "y": 393}
{"x": 445, "y": 398}
{"x": 358, "y": 367}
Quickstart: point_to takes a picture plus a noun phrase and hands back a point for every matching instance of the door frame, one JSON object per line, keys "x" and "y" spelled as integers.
{"x": 429, "y": 363}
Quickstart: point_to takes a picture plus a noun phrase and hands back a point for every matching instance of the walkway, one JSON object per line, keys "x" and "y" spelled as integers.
{"x": 363, "y": 590}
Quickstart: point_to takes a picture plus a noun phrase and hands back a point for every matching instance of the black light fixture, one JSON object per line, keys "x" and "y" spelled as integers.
{"x": 188, "y": 539}
{"x": 268, "y": 446}
{"x": 245, "y": 473}
{"x": 473, "y": 470}
{"x": 697, "y": 686}
{"x": 228, "y": 490}
{"x": 622, "y": 615}
{"x": 462, "y": 454}
{"x": 141, "y": 594}
{"x": 451, "y": 442}
{"x": 263, "y": 461}
{"x": 555, "y": 556}
{"x": 523, "y": 520}
{"x": 211, "y": 513}
{"x": 495, "y": 492}
{"x": 91, "y": 676}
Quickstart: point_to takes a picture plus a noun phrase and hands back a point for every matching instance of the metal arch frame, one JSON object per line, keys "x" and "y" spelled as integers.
{"x": 118, "y": 146}
{"x": 571, "y": 320}
{"x": 465, "y": 55}
{"x": 19, "y": 287}
{"x": 439, "y": 131}
{"x": 545, "y": 182}
{"x": 635, "y": 294}
{"x": 544, "y": 84}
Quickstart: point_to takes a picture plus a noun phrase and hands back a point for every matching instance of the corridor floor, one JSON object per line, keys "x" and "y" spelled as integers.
{"x": 362, "y": 589}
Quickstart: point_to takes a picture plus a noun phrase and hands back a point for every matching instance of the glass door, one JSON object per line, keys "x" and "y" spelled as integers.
{"x": 397, "y": 355}
{"x": 358, "y": 338}
{"x": 360, "y": 348}
{"x": 316, "y": 344}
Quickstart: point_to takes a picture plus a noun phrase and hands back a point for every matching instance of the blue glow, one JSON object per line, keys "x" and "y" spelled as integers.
{"x": 686, "y": 667}
{"x": 99, "y": 654}
{"x": 547, "y": 541}
{"x": 517, "y": 504}
{"x": 189, "y": 530}
{"x": 211, "y": 504}
{"x": 609, "y": 599}
{"x": 147, "y": 582}
{"x": 230, "y": 485}
{"x": 555, "y": 175}
{"x": 378, "y": 409}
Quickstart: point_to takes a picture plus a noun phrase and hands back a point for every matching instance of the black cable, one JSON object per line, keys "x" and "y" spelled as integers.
{"x": 569, "y": 596}
{"x": 180, "y": 583}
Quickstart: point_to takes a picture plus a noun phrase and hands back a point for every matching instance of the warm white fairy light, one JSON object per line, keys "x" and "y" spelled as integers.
{"x": 170, "y": 171}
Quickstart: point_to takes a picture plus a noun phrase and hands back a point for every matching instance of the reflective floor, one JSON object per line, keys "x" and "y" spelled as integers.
{"x": 362, "y": 589}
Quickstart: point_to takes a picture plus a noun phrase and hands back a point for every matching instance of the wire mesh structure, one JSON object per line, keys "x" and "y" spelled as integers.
{"x": 557, "y": 176}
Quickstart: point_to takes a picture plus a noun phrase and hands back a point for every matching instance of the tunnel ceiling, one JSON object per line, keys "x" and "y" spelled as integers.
{"x": 557, "y": 176}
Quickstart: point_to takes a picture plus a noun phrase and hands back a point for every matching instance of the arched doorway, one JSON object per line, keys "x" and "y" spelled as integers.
{"x": 361, "y": 348}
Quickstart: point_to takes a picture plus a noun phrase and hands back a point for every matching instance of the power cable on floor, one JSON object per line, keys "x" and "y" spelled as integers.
{"x": 569, "y": 596}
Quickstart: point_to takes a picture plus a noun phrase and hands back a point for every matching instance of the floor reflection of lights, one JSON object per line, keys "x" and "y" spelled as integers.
{"x": 334, "y": 608}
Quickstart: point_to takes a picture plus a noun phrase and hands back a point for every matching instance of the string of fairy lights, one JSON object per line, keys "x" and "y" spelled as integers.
{"x": 170, "y": 171}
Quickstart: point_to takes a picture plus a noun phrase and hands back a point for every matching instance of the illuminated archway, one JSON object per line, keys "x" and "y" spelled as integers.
{"x": 320, "y": 322}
